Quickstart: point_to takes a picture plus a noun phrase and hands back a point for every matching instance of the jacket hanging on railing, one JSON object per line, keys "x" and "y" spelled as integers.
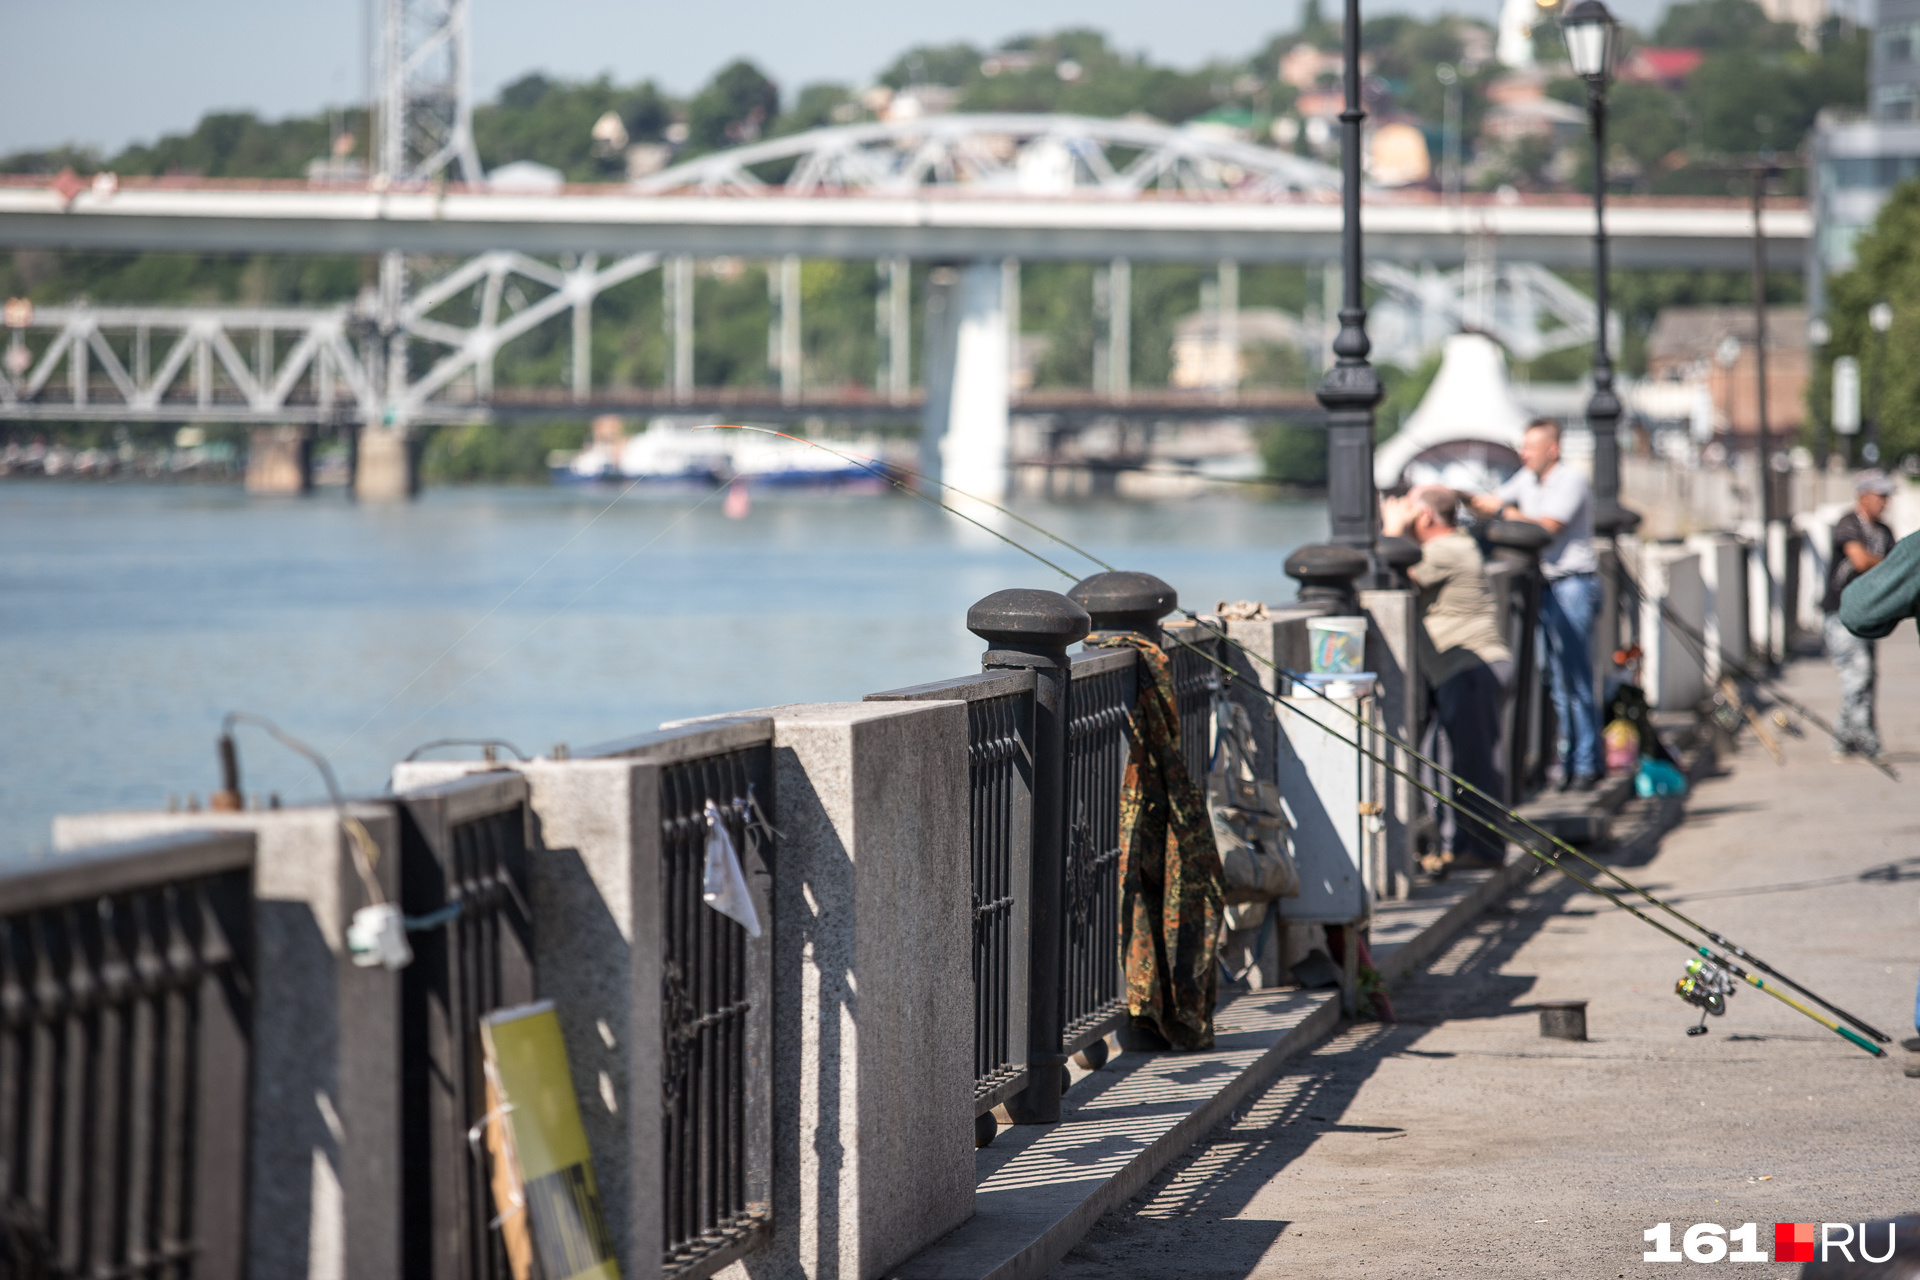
{"x": 1171, "y": 882}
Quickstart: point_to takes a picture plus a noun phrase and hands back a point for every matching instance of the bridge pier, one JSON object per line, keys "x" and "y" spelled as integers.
{"x": 386, "y": 465}
{"x": 280, "y": 460}
{"x": 968, "y": 367}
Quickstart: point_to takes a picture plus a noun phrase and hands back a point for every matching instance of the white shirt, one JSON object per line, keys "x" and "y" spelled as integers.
{"x": 1561, "y": 495}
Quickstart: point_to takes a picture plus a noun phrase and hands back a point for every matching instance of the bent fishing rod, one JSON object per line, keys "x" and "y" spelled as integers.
{"x": 874, "y": 467}
{"x": 1716, "y": 938}
{"x": 1697, "y": 643}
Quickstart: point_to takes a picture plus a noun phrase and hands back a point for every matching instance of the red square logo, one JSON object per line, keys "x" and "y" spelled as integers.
{"x": 1793, "y": 1242}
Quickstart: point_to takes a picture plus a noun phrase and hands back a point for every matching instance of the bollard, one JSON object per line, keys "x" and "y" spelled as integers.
{"x": 1326, "y": 575}
{"x": 1520, "y": 542}
{"x": 1563, "y": 1019}
{"x": 1125, "y": 602}
{"x": 1026, "y": 629}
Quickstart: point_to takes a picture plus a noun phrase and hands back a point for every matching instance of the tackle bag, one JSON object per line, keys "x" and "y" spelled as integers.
{"x": 1249, "y": 826}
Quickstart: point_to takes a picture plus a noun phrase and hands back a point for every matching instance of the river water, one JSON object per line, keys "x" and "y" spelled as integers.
{"x": 133, "y": 617}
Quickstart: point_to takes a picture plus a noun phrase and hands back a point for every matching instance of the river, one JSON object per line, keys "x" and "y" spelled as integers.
{"x": 133, "y": 617}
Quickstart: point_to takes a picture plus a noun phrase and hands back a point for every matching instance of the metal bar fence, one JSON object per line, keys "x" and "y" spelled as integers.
{"x": 1196, "y": 652}
{"x": 126, "y": 989}
{"x": 1100, "y": 702}
{"x": 715, "y": 1020}
{"x": 463, "y": 860}
{"x": 1000, "y": 804}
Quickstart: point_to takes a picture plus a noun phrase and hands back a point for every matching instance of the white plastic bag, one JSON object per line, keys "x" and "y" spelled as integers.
{"x": 726, "y": 887}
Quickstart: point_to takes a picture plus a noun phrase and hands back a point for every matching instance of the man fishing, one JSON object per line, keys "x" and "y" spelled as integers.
{"x": 1861, "y": 540}
{"x": 1558, "y": 499}
{"x": 1461, "y": 654}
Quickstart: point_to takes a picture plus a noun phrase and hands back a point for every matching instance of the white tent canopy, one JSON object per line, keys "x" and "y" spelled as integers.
{"x": 1466, "y": 432}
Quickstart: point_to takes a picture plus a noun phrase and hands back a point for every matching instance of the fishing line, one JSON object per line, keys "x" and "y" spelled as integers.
{"x": 489, "y": 613}
{"x": 581, "y": 595}
{"x": 1490, "y": 822}
{"x": 885, "y": 471}
{"x": 1521, "y": 821}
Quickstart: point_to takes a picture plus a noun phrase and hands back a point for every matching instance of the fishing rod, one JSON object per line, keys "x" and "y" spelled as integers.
{"x": 1702, "y": 984}
{"x": 1718, "y": 939}
{"x": 1705, "y": 984}
{"x": 1697, "y": 642}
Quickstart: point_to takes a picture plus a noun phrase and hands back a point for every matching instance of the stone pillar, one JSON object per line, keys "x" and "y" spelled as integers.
{"x": 1723, "y": 579}
{"x": 968, "y": 436}
{"x": 324, "y": 1146}
{"x": 1392, "y": 655}
{"x": 1123, "y": 602}
{"x": 1029, "y": 630}
{"x": 873, "y": 945}
{"x": 386, "y": 465}
{"x": 1674, "y": 678}
{"x": 280, "y": 460}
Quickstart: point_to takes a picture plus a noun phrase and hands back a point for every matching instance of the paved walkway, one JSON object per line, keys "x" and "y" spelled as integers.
{"x": 1459, "y": 1141}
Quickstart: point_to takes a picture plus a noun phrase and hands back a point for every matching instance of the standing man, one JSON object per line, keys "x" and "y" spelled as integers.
{"x": 1558, "y": 499}
{"x": 1860, "y": 541}
{"x": 1462, "y": 656}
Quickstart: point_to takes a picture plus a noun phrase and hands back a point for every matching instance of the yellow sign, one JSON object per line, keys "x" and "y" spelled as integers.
{"x": 543, "y": 1173}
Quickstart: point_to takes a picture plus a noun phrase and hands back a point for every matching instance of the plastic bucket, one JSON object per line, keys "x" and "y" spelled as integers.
{"x": 1338, "y": 645}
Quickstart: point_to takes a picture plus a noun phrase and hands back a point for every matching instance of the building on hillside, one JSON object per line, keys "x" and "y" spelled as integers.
{"x": 1713, "y": 347}
{"x": 1666, "y": 67}
{"x": 1210, "y": 347}
{"x": 1856, "y": 165}
{"x": 1806, "y": 15}
{"x": 1893, "y": 68}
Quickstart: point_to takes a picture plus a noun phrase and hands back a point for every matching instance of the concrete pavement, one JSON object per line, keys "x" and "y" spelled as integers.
{"x": 1459, "y": 1141}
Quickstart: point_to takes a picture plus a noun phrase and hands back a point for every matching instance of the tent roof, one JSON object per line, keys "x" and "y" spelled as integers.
{"x": 1470, "y": 399}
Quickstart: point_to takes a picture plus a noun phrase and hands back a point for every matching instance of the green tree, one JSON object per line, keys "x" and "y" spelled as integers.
{"x": 736, "y": 106}
{"x": 1886, "y": 269}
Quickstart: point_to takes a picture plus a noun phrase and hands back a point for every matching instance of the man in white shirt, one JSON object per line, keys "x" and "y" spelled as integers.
{"x": 1558, "y": 499}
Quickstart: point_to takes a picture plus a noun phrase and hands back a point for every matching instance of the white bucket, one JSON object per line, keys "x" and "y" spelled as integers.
{"x": 1338, "y": 645}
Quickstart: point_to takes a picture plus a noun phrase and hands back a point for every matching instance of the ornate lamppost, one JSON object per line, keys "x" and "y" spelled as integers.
{"x": 1592, "y": 40}
{"x": 1351, "y": 388}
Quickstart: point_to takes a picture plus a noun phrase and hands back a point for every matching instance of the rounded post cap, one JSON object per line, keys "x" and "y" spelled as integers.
{"x": 1123, "y": 600}
{"x": 1398, "y": 554}
{"x": 1027, "y": 618}
{"x": 1325, "y": 562}
{"x": 1518, "y": 535}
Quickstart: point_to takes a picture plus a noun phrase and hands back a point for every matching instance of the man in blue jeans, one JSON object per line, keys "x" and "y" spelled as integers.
{"x": 1558, "y": 499}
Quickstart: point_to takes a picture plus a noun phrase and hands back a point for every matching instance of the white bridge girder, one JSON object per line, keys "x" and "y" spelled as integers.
{"x": 309, "y": 365}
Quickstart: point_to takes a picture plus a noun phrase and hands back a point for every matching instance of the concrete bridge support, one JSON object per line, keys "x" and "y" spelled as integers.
{"x": 280, "y": 460}
{"x": 386, "y": 465}
{"x": 968, "y": 370}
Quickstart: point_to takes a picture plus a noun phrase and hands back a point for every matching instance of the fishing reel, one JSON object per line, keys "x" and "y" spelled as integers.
{"x": 1707, "y": 985}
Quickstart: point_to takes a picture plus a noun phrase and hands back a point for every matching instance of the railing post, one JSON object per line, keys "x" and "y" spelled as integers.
{"x": 1125, "y": 603}
{"x": 1326, "y": 574}
{"x": 1027, "y": 629}
{"x": 1520, "y": 542}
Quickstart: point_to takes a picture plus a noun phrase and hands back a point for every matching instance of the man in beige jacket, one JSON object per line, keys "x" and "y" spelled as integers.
{"x": 1463, "y": 657}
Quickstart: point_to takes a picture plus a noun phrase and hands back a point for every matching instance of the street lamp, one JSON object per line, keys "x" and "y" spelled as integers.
{"x": 1592, "y": 40}
{"x": 1351, "y": 388}
{"x": 1880, "y": 316}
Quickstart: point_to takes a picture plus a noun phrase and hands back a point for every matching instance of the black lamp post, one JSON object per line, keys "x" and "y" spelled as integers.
{"x": 1351, "y": 388}
{"x": 1592, "y": 39}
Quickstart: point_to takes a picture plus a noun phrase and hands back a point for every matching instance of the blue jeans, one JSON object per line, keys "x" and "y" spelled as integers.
{"x": 1567, "y": 611}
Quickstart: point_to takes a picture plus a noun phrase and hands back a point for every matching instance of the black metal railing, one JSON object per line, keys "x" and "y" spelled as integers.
{"x": 1099, "y": 705}
{"x": 463, "y": 882}
{"x": 715, "y": 1026}
{"x": 1000, "y": 827}
{"x": 126, "y": 992}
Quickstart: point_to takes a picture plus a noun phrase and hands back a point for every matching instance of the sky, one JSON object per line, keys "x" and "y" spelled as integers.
{"x": 108, "y": 72}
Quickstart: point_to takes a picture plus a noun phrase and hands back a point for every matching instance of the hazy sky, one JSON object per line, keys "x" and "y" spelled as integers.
{"x": 108, "y": 72}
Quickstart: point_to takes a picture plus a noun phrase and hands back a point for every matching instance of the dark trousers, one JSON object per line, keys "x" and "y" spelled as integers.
{"x": 1469, "y": 707}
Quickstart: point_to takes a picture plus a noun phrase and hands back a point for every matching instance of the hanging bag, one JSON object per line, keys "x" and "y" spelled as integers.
{"x": 1249, "y": 825}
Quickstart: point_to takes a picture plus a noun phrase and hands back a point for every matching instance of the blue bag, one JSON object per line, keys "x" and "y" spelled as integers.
{"x": 1658, "y": 778}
